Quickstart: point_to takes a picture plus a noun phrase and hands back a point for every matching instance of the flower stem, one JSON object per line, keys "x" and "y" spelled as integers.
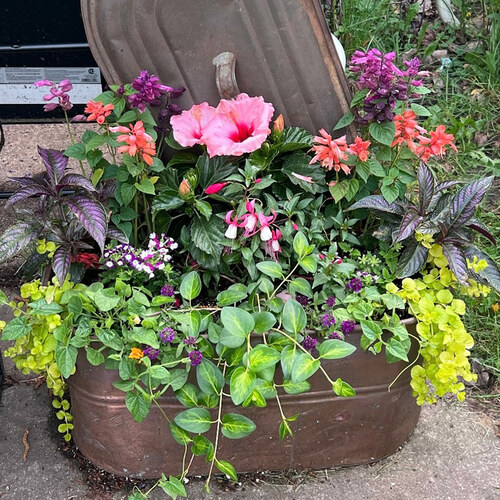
{"x": 72, "y": 139}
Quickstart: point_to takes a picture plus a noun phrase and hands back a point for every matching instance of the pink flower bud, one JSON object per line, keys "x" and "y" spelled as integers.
{"x": 257, "y": 181}
{"x": 321, "y": 256}
{"x": 215, "y": 188}
{"x": 295, "y": 226}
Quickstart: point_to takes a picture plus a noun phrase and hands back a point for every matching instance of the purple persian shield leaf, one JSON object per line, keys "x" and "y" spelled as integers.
{"x": 61, "y": 262}
{"x": 489, "y": 276}
{"x": 55, "y": 163}
{"x": 26, "y": 180}
{"x": 425, "y": 187}
{"x": 481, "y": 228}
{"x": 412, "y": 259}
{"x": 443, "y": 186}
{"x": 91, "y": 215}
{"x": 28, "y": 192}
{"x": 409, "y": 224}
{"x": 465, "y": 202}
{"x": 456, "y": 260}
{"x": 15, "y": 239}
{"x": 115, "y": 234}
{"x": 76, "y": 180}
{"x": 376, "y": 202}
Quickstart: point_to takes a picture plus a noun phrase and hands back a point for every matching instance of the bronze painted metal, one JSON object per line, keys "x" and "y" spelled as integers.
{"x": 283, "y": 51}
{"x": 330, "y": 431}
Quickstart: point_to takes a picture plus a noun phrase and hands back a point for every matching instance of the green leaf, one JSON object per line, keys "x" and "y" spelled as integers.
{"x": 264, "y": 321}
{"x": 301, "y": 245}
{"x": 226, "y": 467}
{"x": 66, "y": 359}
{"x": 41, "y": 308}
{"x": 190, "y": 286}
{"x": 204, "y": 208}
{"x": 195, "y": 420}
{"x": 392, "y": 301}
{"x": 304, "y": 366}
{"x": 96, "y": 141}
{"x": 294, "y": 138}
{"x": 339, "y": 190}
{"x": 383, "y": 132}
{"x": 209, "y": 377}
{"x": 238, "y": 324}
{"x": 296, "y": 388}
{"x": 346, "y": 120}
{"x": 397, "y": 349}
{"x": 123, "y": 385}
{"x": 343, "y": 389}
{"x": 187, "y": 395}
{"x": 180, "y": 435}
{"x": 208, "y": 236}
{"x": 309, "y": 264}
{"x": 335, "y": 349}
{"x": 389, "y": 191}
{"x": 138, "y": 405}
{"x": 203, "y": 446}
{"x": 235, "y": 426}
{"x": 302, "y": 286}
{"x": 262, "y": 357}
{"x": 127, "y": 192}
{"x": 420, "y": 110}
{"x": 146, "y": 336}
{"x": 77, "y": 151}
{"x": 128, "y": 116}
{"x": 75, "y": 305}
{"x": 298, "y": 164}
{"x": 294, "y": 318}
{"x": 242, "y": 384}
{"x": 288, "y": 355}
{"x": 94, "y": 357}
{"x": 160, "y": 373}
{"x": 371, "y": 330}
{"x": 168, "y": 199}
{"x": 359, "y": 97}
{"x": 106, "y": 299}
{"x": 270, "y": 268}
{"x": 16, "y": 328}
{"x": 233, "y": 294}
{"x": 173, "y": 487}
{"x": 145, "y": 186}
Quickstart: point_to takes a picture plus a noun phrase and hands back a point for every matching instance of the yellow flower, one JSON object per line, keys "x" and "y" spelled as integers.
{"x": 136, "y": 353}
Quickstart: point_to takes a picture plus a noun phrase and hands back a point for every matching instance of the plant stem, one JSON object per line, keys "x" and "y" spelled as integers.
{"x": 72, "y": 139}
{"x": 136, "y": 207}
{"x": 146, "y": 210}
{"x": 284, "y": 281}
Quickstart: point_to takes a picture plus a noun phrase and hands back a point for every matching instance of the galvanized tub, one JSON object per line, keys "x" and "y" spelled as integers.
{"x": 283, "y": 49}
{"x": 330, "y": 431}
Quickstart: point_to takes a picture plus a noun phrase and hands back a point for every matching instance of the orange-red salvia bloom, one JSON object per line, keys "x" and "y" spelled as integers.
{"x": 330, "y": 152}
{"x": 136, "y": 353}
{"x": 97, "y": 111}
{"x": 407, "y": 130}
{"x": 138, "y": 141}
{"x": 359, "y": 148}
{"x": 436, "y": 144}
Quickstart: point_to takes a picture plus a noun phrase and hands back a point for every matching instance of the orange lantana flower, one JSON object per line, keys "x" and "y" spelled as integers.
{"x": 98, "y": 111}
{"x": 407, "y": 130}
{"x": 435, "y": 145}
{"x": 359, "y": 148}
{"x": 138, "y": 141}
{"x": 136, "y": 353}
{"x": 330, "y": 152}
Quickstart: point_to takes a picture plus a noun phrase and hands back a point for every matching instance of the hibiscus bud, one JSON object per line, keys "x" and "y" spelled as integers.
{"x": 192, "y": 177}
{"x": 215, "y": 188}
{"x": 185, "y": 189}
{"x": 279, "y": 124}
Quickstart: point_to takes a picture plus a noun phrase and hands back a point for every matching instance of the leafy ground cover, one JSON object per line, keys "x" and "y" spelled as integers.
{"x": 463, "y": 60}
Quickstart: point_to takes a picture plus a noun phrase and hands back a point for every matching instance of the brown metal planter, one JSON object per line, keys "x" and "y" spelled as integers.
{"x": 330, "y": 431}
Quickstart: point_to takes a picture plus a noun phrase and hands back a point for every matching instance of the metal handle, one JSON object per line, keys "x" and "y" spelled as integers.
{"x": 225, "y": 77}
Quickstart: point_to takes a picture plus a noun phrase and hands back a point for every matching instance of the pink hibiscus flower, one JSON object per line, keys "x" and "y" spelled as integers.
{"x": 189, "y": 126}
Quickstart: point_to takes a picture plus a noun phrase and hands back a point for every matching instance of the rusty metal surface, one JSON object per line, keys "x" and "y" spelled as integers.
{"x": 330, "y": 431}
{"x": 283, "y": 48}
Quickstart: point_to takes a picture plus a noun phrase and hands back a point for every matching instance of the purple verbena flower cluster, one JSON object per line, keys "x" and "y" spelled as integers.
{"x": 348, "y": 326}
{"x": 195, "y": 357}
{"x": 302, "y": 300}
{"x": 167, "y": 290}
{"x": 190, "y": 340}
{"x": 330, "y": 301}
{"x": 148, "y": 261}
{"x": 327, "y": 320}
{"x": 59, "y": 91}
{"x": 149, "y": 91}
{"x": 309, "y": 343}
{"x": 385, "y": 82}
{"x": 167, "y": 335}
{"x": 335, "y": 335}
{"x": 151, "y": 352}
{"x": 355, "y": 284}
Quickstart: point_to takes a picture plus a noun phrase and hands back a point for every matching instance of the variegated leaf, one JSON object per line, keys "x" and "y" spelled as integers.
{"x": 409, "y": 224}
{"x": 456, "y": 260}
{"x": 425, "y": 187}
{"x": 412, "y": 259}
{"x": 28, "y": 192}
{"x": 91, "y": 215}
{"x": 55, "y": 163}
{"x": 75, "y": 180}
{"x": 377, "y": 202}
{"x": 61, "y": 262}
{"x": 15, "y": 239}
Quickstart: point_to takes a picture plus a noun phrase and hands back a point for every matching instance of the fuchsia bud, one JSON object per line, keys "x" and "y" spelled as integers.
{"x": 321, "y": 256}
{"x": 295, "y": 226}
{"x": 215, "y": 188}
{"x": 257, "y": 181}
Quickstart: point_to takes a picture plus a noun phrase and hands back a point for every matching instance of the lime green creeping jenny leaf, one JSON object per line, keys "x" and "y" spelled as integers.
{"x": 343, "y": 389}
{"x": 335, "y": 349}
{"x": 242, "y": 384}
{"x": 235, "y": 426}
{"x": 294, "y": 318}
{"x": 195, "y": 420}
{"x": 190, "y": 286}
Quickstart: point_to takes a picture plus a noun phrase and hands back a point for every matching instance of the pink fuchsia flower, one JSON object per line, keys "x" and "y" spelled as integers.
{"x": 264, "y": 222}
{"x": 240, "y": 126}
{"x": 330, "y": 152}
{"x": 215, "y": 188}
{"x": 303, "y": 178}
{"x": 56, "y": 91}
{"x": 273, "y": 246}
{"x": 250, "y": 218}
{"x": 232, "y": 230}
{"x": 359, "y": 148}
{"x": 190, "y": 125}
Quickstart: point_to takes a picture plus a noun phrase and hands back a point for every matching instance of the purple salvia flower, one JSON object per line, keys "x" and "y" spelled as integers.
{"x": 348, "y": 326}
{"x": 59, "y": 91}
{"x": 149, "y": 91}
{"x": 330, "y": 301}
{"x": 309, "y": 343}
{"x": 167, "y": 335}
{"x": 195, "y": 357}
{"x": 356, "y": 285}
